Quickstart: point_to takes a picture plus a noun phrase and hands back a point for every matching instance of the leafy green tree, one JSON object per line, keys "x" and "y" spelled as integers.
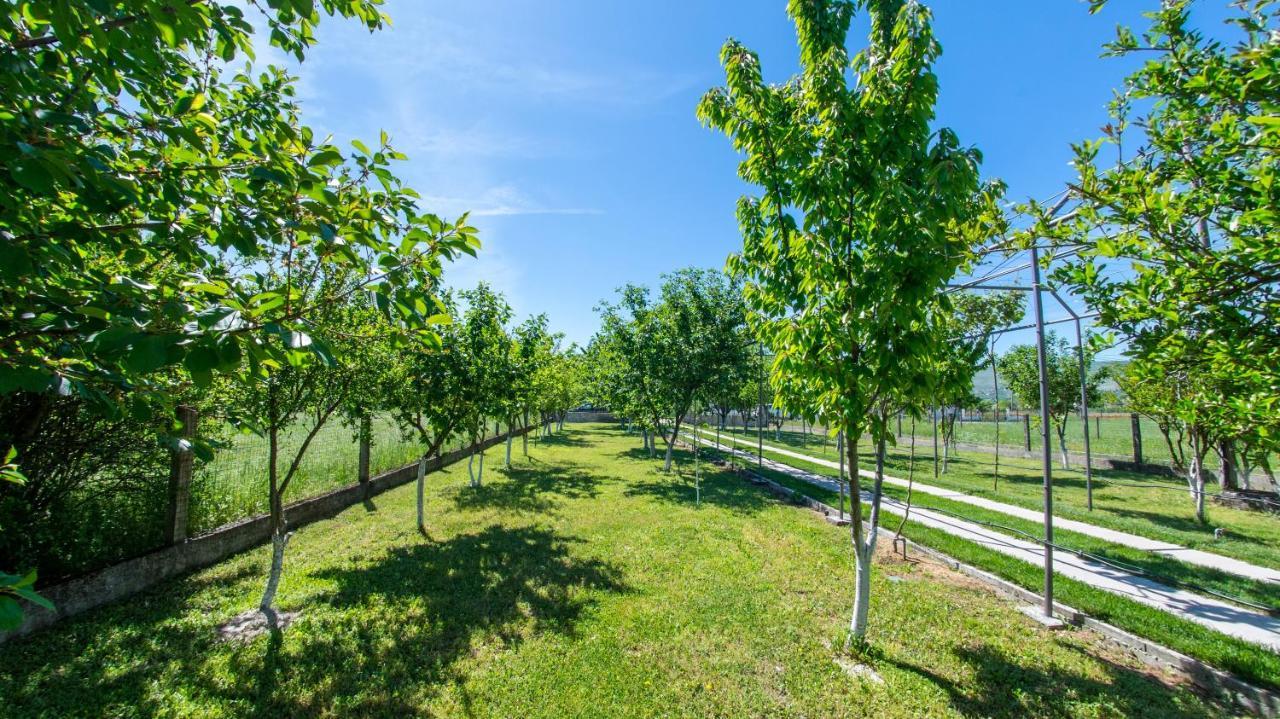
{"x": 313, "y": 390}
{"x": 535, "y": 345}
{"x": 674, "y": 351}
{"x": 143, "y": 175}
{"x": 424, "y": 389}
{"x": 1176, "y": 224}
{"x": 486, "y": 346}
{"x": 1157, "y": 401}
{"x": 844, "y": 298}
{"x": 970, "y": 318}
{"x": 1021, "y": 371}
{"x": 160, "y": 208}
{"x": 561, "y": 384}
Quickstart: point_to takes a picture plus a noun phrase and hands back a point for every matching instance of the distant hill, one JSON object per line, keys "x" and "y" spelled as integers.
{"x": 983, "y": 386}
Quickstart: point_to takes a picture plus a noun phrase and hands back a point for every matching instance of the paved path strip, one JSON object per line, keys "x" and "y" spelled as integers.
{"x": 1185, "y": 554}
{"x": 1217, "y": 615}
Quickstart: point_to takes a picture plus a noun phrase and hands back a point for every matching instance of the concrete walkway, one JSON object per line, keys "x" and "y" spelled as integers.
{"x": 1190, "y": 556}
{"x": 1217, "y": 615}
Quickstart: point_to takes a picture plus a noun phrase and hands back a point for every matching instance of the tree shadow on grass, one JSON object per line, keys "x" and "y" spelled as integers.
{"x": 720, "y": 488}
{"x": 399, "y": 627}
{"x": 387, "y": 638}
{"x": 1008, "y": 687}
{"x": 1170, "y": 521}
{"x": 563, "y": 439}
{"x": 531, "y": 489}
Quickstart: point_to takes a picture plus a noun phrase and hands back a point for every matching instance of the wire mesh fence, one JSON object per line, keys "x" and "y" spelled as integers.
{"x": 234, "y": 485}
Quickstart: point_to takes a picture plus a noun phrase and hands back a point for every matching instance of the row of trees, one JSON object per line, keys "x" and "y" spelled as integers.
{"x": 866, "y": 210}
{"x": 656, "y": 362}
{"x": 171, "y": 233}
{"x": 1176, "y": 227}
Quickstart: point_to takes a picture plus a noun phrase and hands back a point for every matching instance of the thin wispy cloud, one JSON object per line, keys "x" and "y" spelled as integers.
{"x": 501, "y": 201}
{"x": 425, "y": 51}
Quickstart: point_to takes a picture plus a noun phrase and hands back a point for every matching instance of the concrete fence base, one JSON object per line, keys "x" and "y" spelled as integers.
{"x": 134, "y": 575}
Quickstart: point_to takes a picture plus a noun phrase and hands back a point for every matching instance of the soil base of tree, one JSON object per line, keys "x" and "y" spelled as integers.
{"x": 253, "y": 623}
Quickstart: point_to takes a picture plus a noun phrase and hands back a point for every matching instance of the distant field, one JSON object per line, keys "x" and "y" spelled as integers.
{"x": 1156, "y": 507}
{"x": 234, "y": 485}
{"x": 1109, "y": 436}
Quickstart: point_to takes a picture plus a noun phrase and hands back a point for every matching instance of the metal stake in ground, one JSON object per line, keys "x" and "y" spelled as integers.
{"x": 1046, "y": 450}
{"x": 760, "y": 423}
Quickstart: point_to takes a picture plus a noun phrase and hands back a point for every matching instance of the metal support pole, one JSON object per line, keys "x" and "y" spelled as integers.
{"x": 1084, "y": 414}
{"x": 1135, "y": 430}
{"x": 1046, "y": 451}
{"x": 840, "y": 451}
{"x": 934, "y": 411}
{"x": 760, "y": 424}
{"x": 995, "y": 382}
{"x": 366, "y": 437}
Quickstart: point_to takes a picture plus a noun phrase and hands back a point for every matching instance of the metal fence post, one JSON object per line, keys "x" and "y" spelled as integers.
{"x": 1026, "y": 431}
{"x": 366, "y": 437}
{"x": 1135, "y": 424}
{"x": 180, "y": 464}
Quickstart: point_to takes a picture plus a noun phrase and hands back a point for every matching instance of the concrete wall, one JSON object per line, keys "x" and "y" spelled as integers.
{"x": 134, "y": 575}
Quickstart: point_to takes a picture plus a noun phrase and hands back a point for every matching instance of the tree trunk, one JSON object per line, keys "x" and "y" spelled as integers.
{"x": 279, "y": 538}
{"x": 1062, "y": 443}
{"x": 511, "y": 438}
{"x": 1227, "y": 466}
{"x": 525, "y": 434}
{"x": 471, "y": 469}
{"x": 861, "y": 594}
{"x": 480, "y": 474}
{"x": 675, "y": 432}
{"x": 862, "y": 558}
{"x": 422, "y": 475}
{"x": 278, "y": 542}
{"x": 1195, "y": 476}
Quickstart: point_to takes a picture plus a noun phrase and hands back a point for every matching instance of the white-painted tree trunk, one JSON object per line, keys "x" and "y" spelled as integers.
{"x": 861, "y": 595}
{"x": 1062, "y": 446}
{"x": 480, "y": 474}
{"x": 510, "y": 440}
{"x": 471, "y": 471}
{"x": 279, "y": 541}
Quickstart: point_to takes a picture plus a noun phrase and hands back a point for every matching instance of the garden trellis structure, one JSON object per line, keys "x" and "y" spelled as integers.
{"x": 1037, "y": 291}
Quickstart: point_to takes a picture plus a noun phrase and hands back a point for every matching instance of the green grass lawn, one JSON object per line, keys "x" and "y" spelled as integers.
{"x": 583, "y": 582}
{"x": 1246, "y": 660}
{"x": 1141, "y": 504}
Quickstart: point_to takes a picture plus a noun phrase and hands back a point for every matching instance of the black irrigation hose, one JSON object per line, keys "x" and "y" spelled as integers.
{"x": 1115, "y": 564}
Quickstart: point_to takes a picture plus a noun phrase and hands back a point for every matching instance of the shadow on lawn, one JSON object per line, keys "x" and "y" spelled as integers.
{"x": 719, "y": 488}
{"x": 564, "y": 439}
{"x": 401, "y": 625}
{"x": 1187, "y": 524}
{"x": 530, "y": 489}
{"x": 385, "y": 640}
{"x": 1004, "y": 687}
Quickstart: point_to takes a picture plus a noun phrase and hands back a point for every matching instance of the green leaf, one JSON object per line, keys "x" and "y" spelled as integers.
{"x": 10, "y": 613}
{"x": 327, "y": 158}
{"x": 31, "y": 174}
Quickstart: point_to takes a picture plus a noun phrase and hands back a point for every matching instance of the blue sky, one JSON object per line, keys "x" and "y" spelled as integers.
{"x": 568, "y": 127}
